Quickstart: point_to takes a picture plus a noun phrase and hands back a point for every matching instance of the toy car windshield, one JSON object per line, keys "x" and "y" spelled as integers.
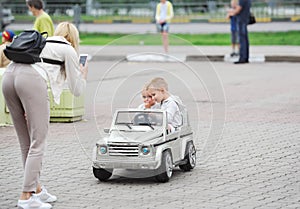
{"x": 133, "y": 119}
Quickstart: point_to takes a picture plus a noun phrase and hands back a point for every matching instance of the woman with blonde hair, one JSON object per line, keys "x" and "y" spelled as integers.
{"x": 69, "y": 32}
{"x": 25, "y": 90}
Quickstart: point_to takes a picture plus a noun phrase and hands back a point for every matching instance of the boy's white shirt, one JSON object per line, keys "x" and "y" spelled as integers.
{"x": 174, "y": 115}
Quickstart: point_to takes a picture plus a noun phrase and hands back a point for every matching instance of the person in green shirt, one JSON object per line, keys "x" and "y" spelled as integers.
{"x": 43, "y": 22}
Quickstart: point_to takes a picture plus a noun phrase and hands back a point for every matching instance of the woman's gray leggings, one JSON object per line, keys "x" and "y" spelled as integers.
{"x": 25, "y": 91}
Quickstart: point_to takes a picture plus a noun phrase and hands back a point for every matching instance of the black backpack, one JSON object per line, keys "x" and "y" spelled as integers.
{"x": 27, "y": 47}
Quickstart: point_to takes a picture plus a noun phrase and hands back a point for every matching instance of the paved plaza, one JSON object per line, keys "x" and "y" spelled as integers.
{"x": 246, "y": 127}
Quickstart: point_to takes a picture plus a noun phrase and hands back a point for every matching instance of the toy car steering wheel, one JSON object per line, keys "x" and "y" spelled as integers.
{"x": 141, "y": 118}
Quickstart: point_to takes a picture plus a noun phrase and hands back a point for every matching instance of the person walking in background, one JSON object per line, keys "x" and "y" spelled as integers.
{"x": 25, "y": 90}
{"x": 242, "y": 10}
{"x": 164, "y": 14}
{"x": 43, "y": 22}
{"x": 7, "y": 37}
{"x": 234, "y": 32}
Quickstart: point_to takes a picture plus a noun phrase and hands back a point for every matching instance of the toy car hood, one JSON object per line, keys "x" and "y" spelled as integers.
{"x": 120, "y": 136}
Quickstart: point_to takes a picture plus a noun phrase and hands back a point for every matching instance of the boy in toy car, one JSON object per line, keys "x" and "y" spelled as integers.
{"x": 158, "y": 88}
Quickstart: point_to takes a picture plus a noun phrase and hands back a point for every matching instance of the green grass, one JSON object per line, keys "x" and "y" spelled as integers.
{"x": 256, "y": 38}
{"x": 291, "y": 38}
{"x": 278, "y": 38}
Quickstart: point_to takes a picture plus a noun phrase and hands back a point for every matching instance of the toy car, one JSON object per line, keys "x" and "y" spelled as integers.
{"x": 139, "y": 139}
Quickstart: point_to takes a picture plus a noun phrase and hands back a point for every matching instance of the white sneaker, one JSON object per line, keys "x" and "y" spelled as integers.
{"x": 45, "y": 196}
{"x": 33, "y": 203}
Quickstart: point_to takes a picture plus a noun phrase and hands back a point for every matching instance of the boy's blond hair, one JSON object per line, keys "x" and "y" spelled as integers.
{"x": 158, "y": 83}
{"x": 69, "y": 32}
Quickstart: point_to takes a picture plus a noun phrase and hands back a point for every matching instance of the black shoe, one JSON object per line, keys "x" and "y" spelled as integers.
{"x": 241, "y": 62}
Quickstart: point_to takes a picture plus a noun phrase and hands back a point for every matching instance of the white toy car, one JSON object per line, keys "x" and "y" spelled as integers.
{"x": 139, "y": 139}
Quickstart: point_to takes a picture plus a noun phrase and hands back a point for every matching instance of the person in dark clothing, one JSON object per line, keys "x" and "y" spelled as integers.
{"x": 242, "y": 11}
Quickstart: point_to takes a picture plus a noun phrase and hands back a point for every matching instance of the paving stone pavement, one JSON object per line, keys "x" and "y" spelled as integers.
{"x": 255, "y": 164}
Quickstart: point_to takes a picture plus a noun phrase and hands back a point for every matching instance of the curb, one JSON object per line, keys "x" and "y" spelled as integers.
{"x": 203, "y": 58}
{"x": 282, "y": 58}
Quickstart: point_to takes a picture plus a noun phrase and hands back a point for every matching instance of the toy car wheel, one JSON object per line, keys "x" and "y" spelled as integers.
{"x": 190, "y": 157}
{"x": 166, "y": 168}
{"x": 102, "y": 174}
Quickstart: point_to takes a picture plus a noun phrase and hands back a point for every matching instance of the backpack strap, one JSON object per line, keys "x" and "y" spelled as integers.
{"x": 51, "y": 61}
{"x": 58, "y": 42}
{"x": 45, "y": 33}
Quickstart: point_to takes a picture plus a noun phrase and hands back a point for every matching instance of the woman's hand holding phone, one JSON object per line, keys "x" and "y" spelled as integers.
{"x": 83, "y": 65}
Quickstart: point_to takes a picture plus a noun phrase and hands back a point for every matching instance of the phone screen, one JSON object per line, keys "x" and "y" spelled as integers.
{"x": 82, "y": 59}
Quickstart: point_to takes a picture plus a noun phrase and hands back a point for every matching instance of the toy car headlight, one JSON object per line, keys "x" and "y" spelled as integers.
{"x": 102, "y": 149}
{"x": 145, "y": 150}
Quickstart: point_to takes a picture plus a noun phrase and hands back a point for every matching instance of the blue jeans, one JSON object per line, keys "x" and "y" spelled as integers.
{"x": 244, "y": 41}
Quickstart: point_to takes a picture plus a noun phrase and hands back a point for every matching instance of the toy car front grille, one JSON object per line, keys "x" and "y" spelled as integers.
{"x": 121, "y": 149}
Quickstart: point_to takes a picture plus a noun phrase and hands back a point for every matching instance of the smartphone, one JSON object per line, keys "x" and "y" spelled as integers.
{"x": 83, "y": 58}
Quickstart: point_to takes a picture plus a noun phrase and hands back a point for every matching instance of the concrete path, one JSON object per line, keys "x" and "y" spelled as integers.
{"x": 250, "y": 159}
{"x": 212, "y": 53}
{"x": 193, "y": 28}
{"x": 245, "y": 119}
